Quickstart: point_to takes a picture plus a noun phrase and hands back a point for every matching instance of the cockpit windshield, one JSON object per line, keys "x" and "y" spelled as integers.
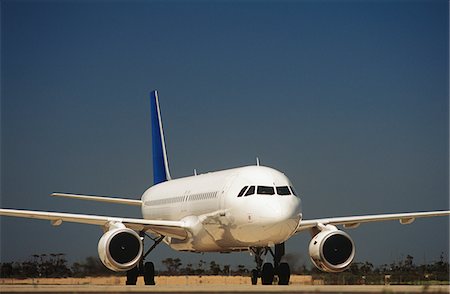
{"x": 293, "y": 191}
{"x": 265, "y": 190}
{"x": 283, "y": 190}
{"x": 242, "y": 191}
{"x": 250, "y": 191}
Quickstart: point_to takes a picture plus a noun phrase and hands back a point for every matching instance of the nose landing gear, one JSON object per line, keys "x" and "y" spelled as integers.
{"x": 268, "y": 271}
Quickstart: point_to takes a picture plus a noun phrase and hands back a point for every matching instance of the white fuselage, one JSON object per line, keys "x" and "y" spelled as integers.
{"x": 220, "y": 219}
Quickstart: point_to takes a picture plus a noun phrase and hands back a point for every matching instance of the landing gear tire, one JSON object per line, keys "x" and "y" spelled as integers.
{"x": 149, "y": 273}
{"x": 284, "y": 274}
{"x": 132, "y": 276}
{"x": 267, "y": 274}
{"x": 254, "y": 277}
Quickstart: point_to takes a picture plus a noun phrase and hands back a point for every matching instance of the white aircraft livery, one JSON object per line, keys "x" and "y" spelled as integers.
{"x": 251, "y": 208}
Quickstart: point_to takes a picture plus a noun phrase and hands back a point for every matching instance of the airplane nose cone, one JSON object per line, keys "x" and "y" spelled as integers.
{"x": 280, "y": 210}
{"x": 278, "y": 219}
{"x": 272, "y": 219}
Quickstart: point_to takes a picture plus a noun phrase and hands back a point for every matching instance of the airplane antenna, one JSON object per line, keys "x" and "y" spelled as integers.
{"x": 195, "y": 171}
{"x": 257, "y": 161}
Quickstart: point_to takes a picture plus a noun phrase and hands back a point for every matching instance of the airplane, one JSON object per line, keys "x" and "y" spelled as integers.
{"x": 251, "y": 208}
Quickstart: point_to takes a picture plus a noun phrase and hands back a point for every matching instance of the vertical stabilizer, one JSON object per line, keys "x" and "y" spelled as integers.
{"x": 160, "y": 163}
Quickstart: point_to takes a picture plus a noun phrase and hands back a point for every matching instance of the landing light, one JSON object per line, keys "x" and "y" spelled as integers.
{"x": 407, "y": 221}
{"x": 56, "y": 222}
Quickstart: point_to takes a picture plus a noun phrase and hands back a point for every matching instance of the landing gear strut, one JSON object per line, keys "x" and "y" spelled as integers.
{"x": 268, "y": 271}
{"x": 146, "y": 269}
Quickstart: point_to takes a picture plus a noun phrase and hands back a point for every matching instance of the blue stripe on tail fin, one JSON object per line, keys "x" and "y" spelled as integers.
{"x": 160, "y": 163}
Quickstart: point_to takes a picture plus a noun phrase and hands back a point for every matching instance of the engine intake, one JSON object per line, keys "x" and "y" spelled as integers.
{"x": 332, "y": 250}
{"x": 120, "y": 249}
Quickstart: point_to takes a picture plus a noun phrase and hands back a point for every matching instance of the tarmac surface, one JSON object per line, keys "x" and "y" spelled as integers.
{"x": 220, "y": 289}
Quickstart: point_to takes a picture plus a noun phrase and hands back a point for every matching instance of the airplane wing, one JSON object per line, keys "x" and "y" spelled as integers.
{"x": 355, "y": 221}
{"x": 175, "y": 229}
{"x": 100, "y": 199}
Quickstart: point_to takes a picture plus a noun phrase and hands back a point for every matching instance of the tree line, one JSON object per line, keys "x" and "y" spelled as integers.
{"x": 174, "y": 267}
{"x": 404, "y": 271}
{"x": 53, "y": 266}
{"x": 400, "y": 272}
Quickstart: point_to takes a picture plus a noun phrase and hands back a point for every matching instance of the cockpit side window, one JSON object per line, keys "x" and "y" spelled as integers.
{"x": 265, "y": 190}
{"x": 293, "y": 190}
{"x": 283, "y": 190}
{"x": 242, "y": 191}
{"x": 250, "y": 191}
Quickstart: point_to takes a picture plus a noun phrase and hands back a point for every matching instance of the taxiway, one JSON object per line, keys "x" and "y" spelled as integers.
{"x": 224, "y": 289}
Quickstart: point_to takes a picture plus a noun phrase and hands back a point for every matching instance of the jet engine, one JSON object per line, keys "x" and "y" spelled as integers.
{"x": 120, "y": 249}
{"x": 332, "y": 250}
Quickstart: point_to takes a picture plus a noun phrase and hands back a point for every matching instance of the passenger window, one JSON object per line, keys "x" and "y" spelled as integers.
{"x": 293, "y": 190}
{"x": 242, "y": 191}
{"x": 265, "y": 190}
{"x": 284, "y": 190}
{"x": 250, "y": 191}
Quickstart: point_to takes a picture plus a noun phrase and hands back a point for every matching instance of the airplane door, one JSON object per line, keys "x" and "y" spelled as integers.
{"x": 225, "y": 189}
{"x": 184, "y": 209}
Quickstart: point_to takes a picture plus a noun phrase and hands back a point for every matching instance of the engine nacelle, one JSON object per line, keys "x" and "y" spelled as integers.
{"x": 332, "y": 250}
{"x": 120, "y": 249}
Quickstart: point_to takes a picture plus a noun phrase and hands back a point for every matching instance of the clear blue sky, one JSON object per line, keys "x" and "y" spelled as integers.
{"x": 348, "y": 98}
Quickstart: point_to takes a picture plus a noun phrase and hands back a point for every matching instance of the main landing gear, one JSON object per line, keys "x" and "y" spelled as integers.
{"x": 147, "y": 269}
{"x": 268, "y": 271}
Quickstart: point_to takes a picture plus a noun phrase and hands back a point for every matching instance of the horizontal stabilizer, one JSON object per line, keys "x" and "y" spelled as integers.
{"x": 100, "y": 199}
